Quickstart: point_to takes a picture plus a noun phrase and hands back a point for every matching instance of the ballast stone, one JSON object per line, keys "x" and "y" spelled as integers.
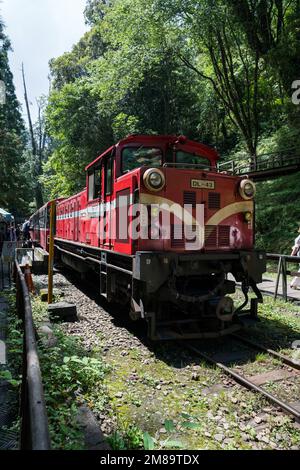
{"x": 63, "y": 311}
{"x": 48, "y": 338}
{"x": 93, "y": 436}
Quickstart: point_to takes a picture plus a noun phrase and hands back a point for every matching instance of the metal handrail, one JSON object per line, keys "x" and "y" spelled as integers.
{"x": 277, "y": 256}
{"x": 280, "y": 152}
{"x": 282, "y": 271}
{"x": 261, "y": 163}
{"x": 34, "y": 420}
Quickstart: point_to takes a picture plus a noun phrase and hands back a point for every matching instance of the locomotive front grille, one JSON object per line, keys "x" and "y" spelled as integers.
{"x": 224, "y": 235}
{"x": 191, "y": 233}
{"x": 177, "y": 236}
{"x": 217, "y": 236}
{"x": 189, "y": 197}
{"x": 211, "y": 236}
{"x": 214, "y": 200}
{"x": 181, "y": 236}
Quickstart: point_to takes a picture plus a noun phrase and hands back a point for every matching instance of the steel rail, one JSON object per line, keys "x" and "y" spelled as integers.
{"x": 34, "y": 420}
{"x": 247, "y": 383}
{"x": 286, "y": 360}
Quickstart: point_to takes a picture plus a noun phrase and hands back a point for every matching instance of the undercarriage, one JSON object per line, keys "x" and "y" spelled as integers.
{"x": 179, "y": 295}
{"x": 188, "y": 296}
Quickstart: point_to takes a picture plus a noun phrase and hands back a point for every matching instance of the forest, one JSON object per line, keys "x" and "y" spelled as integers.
{"x": 220, "y": 72}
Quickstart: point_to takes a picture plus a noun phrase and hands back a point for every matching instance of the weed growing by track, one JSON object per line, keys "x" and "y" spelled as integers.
{"x": 71, "y": 377}
{"x": 14, "y": 340}
{"x": 278, "y": 326}
{"x": 11, "y": 371}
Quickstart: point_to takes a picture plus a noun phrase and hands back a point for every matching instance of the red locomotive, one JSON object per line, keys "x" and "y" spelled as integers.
{"x": 163, "y": 228}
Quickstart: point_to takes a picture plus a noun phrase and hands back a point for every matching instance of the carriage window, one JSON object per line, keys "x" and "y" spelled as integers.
{"x": 47, "y": 213}
{"x": 108, "y": 175}
{"x": 134, "y": 157}
{"x": 42, "y": 219}
{"x": 192, "y": 159}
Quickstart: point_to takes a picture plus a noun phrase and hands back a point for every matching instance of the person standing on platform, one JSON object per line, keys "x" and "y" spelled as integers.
{"x": 295, "y": 284}
{"x": 26, "y": 230}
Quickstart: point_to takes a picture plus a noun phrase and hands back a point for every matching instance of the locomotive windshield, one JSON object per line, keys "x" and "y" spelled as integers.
{"x": 190, "y": 159}
{"x": 135, "y": 157}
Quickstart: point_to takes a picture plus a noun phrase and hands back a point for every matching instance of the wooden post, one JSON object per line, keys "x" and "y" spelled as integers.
{"x": 51, "y": 253}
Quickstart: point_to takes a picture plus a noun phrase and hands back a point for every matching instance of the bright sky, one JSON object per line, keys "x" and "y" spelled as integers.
{"x": 40, "y": 30}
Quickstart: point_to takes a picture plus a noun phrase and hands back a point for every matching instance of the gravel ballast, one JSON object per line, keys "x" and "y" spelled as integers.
{"x": 163, "y": 391}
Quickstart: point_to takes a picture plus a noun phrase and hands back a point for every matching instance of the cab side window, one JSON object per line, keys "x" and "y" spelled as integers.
{"x": 94, "y": 182}
{"x": 98, "y": 176}
{"x": 108, "y": 175}
{"x": 91, "y": 185}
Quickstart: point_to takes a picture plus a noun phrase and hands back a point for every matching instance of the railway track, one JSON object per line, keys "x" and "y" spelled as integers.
{"x": 246, "y": 382}
{"x": 242, "y": 380}
{"x": 135, "y": 362}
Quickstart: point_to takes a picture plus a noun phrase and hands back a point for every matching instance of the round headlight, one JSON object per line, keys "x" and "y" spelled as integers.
{"x": 154, "y": 179}
{"x": 247, "y": 189}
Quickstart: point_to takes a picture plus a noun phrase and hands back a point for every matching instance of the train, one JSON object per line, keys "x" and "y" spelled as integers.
{"x": 165, "y": 233}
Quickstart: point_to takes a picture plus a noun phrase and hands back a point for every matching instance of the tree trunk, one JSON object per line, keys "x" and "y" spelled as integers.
{"x": 37, "y": 167}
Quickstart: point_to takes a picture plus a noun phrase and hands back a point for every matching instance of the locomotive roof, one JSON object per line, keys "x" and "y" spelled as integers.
{"x": 162, "y": 140}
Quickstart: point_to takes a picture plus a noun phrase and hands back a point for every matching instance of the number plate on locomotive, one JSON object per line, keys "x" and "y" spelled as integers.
{"x": 202, "y": 184}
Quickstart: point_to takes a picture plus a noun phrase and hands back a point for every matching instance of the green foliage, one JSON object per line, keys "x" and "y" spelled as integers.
{"x": 172, "y": 429}
{"x": 11, "y": 372}
{"x": 169, "y": 425}
{"x": 149, "y": 442}
{"x": 69, "y": 377}
{"x": 80, "y": 132}
{"x": 7, "y": 376}
{"x": 95, "y": 10}
{"x": 167, "y": 67}
{"x": 278, "y": 213}
{"x": 14, "y": 338}
{"x": 14, "y": 194}
{"x": 123, "y": 77}
{"x": 272, "y": 29}
{"x": 129, "y": 438}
